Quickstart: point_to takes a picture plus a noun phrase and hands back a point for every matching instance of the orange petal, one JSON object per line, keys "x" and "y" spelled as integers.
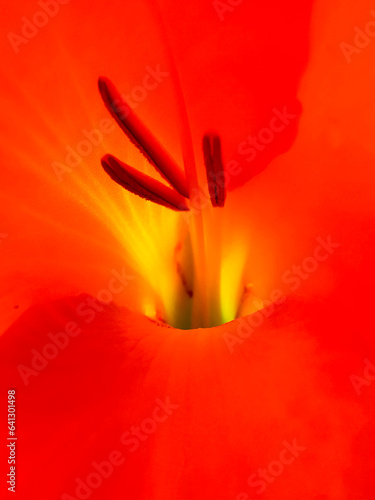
{"x": 129, "y": 409}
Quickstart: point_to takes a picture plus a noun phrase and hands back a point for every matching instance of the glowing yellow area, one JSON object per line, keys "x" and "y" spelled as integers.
{"x": 149, "y": 236}
{"x": 236, "y": 295}
{"x": 231, "y": 281}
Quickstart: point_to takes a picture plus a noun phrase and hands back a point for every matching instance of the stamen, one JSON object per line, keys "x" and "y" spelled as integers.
{"x": 141, "y": 137}
{"x": 142, "y": 185}
{"x": 214, "y": 169}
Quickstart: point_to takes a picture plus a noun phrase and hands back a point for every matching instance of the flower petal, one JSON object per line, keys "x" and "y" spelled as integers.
{"x": 187, "y": 414}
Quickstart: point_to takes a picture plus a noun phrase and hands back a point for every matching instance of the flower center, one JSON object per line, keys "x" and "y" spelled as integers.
{"x": 197, "y": 256}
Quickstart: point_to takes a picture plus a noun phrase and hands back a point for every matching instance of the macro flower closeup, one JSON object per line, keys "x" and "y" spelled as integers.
{"x": 186, "y": 242}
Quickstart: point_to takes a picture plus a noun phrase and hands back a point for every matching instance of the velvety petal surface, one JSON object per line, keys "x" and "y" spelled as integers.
{"x": 302, "y": 229}
{"x": 190, "y": 414}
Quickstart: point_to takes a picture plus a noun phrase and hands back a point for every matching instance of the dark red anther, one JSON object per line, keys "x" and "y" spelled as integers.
{"x": 141, "y": 184}
{"x": 141, "y": 136}
{"x": 214, "y": 169}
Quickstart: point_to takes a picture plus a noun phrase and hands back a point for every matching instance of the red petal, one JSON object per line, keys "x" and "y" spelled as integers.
{"x": 212, "y": 406}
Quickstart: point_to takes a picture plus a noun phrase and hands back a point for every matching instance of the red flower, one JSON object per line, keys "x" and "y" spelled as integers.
{"x": 111, "y": 402}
